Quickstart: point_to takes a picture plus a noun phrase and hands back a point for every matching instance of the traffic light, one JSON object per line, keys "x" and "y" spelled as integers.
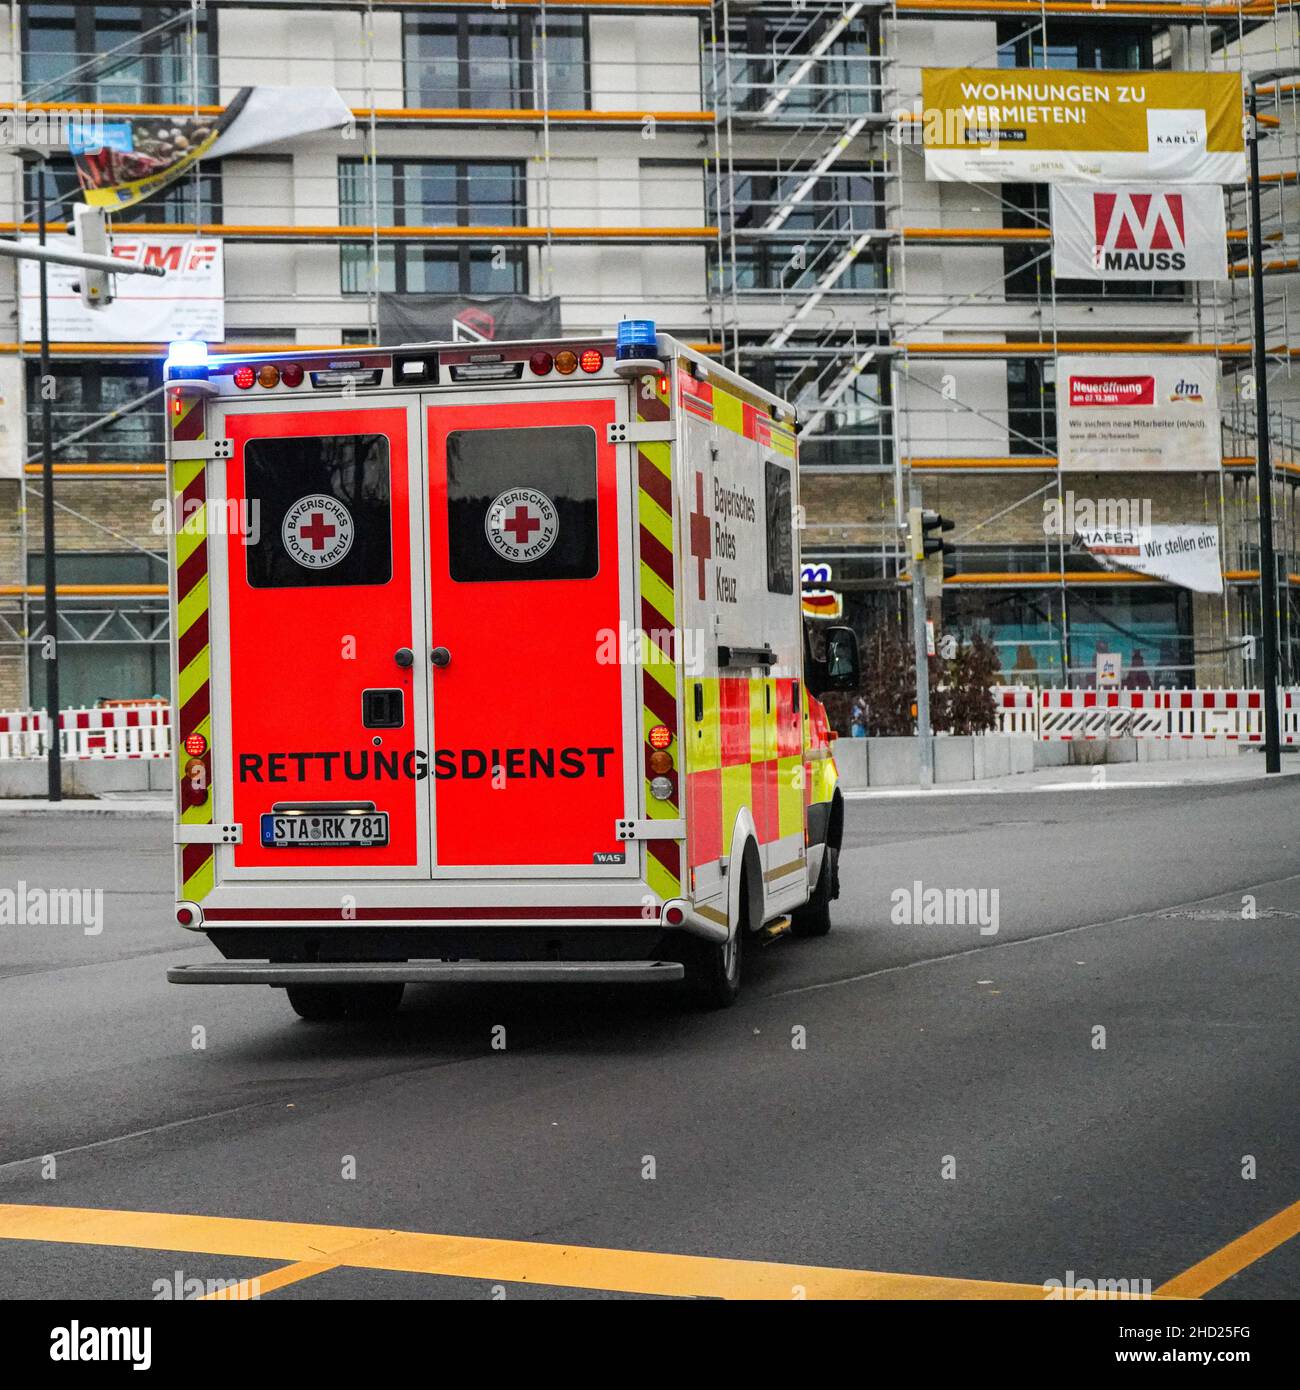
{"x": 930, "y": 549}
{"x": 95, "y": 286}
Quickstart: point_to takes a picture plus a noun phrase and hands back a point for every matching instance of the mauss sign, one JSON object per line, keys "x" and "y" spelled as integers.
{"x": 1123, "y": 413}
{"x": 1139, "y": 232}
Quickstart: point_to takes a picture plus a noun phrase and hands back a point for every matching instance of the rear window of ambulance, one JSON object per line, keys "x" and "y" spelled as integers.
{"x": 521, "y": 504}
{"x": 322, "y": 509}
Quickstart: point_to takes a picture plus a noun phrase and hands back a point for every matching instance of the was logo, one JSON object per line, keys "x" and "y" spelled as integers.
{"x": 317, "y": 531}
{"x": 522, "y": 524}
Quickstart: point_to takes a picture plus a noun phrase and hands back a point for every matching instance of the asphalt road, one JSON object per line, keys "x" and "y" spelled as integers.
{"x": 951, "y": 1113}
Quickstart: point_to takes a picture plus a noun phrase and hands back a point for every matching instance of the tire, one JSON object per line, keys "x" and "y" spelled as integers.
{"x": 814, "y": 917}
{"x": 712, "y": 971}
{"x": 330, "y": 1003}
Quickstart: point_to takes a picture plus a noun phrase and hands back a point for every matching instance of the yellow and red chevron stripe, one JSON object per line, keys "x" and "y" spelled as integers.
{"x": 193, "y": 694}
{"x": 708, "y": 401}
{"x": 659, "y": 624}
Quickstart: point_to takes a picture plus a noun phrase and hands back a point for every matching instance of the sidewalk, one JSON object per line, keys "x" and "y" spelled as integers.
{"x": 123, "y": 805}
{"x": 1107, "y": 777}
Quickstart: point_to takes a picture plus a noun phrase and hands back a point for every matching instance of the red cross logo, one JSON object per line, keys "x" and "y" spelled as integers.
{"x": 317, "y": 531}
{"x": 701, "y": 533}
{"x": 521, "y": 525}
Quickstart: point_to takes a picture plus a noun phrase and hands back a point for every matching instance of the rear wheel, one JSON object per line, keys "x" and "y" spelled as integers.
{"x": 713, "y": 968}
{"x": 814, "y": 917}
{"x": 329, "y": 1003}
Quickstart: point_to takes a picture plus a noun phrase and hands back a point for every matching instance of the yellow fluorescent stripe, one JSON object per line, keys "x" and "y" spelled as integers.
{"x": 657, "y": 451}
{"x": 662, "y": 883}
{"x": 192, "y": 606}
{"x": 201, "y": 882}
{"x": 184, "y": 472}
{"x": 655, "y": 520}
{"x": 657, "y": 594}
{"x": 194, "y": 675}
{"x": 1233, "y": 1258}
{"x": 190, "y": 537}
{"x": 665, "y": 673}
{"x": 270, "y": 1281}
{"x": 470, "y": 1257}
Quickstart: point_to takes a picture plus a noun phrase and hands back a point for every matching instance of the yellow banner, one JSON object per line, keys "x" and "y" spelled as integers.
{"x": 1045, "y": 126}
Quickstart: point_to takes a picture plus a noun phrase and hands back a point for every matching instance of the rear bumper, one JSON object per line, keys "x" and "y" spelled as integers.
{"x": 592, "y": 972}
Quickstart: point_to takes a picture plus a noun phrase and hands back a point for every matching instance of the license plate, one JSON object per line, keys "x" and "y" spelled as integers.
{"x": 325, "y": 830}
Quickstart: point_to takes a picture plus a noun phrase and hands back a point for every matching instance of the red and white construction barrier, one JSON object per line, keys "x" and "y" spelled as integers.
{"x": 135, "y": 731}
{"x": 1236, "y": 716}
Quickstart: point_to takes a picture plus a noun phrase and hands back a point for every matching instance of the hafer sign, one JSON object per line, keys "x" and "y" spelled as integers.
{"x": 187, "y": 301}
{"x": 1035, "y": 125}
{"x": 1117, "y": 414}
{"x": 1185, "y": 555}
{"x": 1139, "y": 232}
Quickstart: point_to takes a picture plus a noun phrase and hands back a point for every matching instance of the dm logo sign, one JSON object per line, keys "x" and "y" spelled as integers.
{"x": 522, "y": 524}
{"x": 318, "y": 531}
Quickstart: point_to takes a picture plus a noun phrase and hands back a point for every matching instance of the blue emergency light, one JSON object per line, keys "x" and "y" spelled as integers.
{"x": 636, "y": 348}
{"x": 187, "y": 358}
{"x": 636, "y": 338}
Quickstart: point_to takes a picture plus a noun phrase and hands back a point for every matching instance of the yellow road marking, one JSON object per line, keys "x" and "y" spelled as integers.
{"x": 1234, "y": 1257}
{"x": 470, "y": 1257}
{"x": 272, "y": 1279}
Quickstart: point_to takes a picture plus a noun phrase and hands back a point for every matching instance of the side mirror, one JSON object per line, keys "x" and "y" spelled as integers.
{"x": 843, "y": 663}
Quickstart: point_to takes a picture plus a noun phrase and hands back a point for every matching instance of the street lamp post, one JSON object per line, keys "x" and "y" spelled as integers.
{"x": 1263, "y": 460}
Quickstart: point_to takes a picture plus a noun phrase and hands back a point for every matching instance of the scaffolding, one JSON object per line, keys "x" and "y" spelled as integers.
{"x": 769, "y": 146}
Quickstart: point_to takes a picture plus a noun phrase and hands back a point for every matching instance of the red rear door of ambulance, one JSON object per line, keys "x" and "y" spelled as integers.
{"x": 532, "y": 697}
{"x": 323, "y": 716}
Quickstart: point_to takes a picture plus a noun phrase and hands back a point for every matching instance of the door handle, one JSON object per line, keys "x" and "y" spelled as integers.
{"x": 404, "y": 656}
{"x": 440, "y": 656}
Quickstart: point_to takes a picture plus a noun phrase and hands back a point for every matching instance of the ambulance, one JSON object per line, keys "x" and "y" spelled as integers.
{"x": 489, "y": 664}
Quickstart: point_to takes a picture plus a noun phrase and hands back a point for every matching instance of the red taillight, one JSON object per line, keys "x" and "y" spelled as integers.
{"x": 660, "y": 736}
{"x": 196, "y": 745}
{"x": 184, "y": 916}
{"x": 663, "y": 385}
{"x": 541, "y": 363}
{"x": 674, "y": 916}
{"x": 244, "y": 377}
{"x": 291, "y": 374}
{"x": 592, "y": 360}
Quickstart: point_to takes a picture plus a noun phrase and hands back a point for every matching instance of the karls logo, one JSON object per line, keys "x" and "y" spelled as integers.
{"x": 317, "y": 531}
{"x": 522, "y": 524}
{"x": 1139, "y": 231}
{"x": 1112, "y": 390}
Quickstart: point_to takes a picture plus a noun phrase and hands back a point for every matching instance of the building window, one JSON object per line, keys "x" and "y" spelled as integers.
{"x": 193, "y": 199}
{"x": 467, "y": 58}
{"x": 1071, "y": 45}
{"x": 1031, "y": 406}
{"x": 813, "y": 236}
{"x": 112, "y": 646}
{"x": 845, "y": 80}
{"x": 433, "y": 193}
{"x": 137, "y": 54}
{"x": 856, "y": 431}
{"x": 84, "y": 391}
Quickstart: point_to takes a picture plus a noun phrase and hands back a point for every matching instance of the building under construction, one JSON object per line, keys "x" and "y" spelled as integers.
{"x": 747, "y": 174}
